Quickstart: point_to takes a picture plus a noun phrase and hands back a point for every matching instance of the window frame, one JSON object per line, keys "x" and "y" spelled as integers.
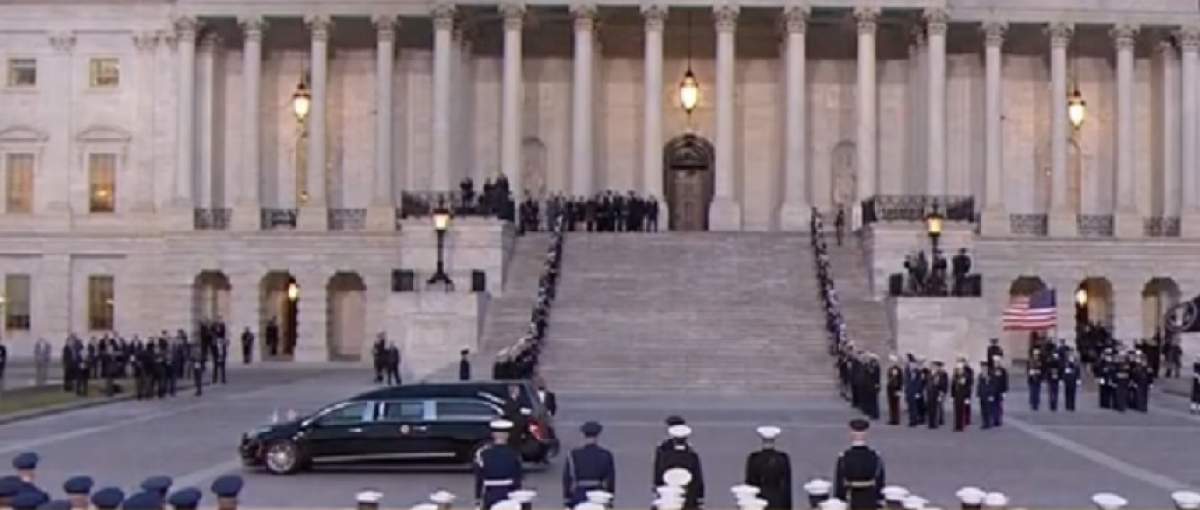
{"x": 366, "y": 416}
{"x": 112, "y": 192}
{"x": 426, "y": 410}
{"x": 93, "y": 69}
{"x": 497, "y": 411}
{"x": 107, "y": 319}
{"x": 10, "y": 322}
{"x": 8, "y": 169}
{"x": 10, "y": 73}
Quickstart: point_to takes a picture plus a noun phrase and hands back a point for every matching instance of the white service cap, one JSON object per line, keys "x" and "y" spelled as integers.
{"x": 752, "y": 504}
{"x": 744, "y": 491}
{"x": 522, "y": 496}
{"x": 1108, "y": 501}
{"x": 677, "y": 477}
{"x": 912, "y": 502}
{"x": 669, "y": 491}
{"x": 442, "y": 497}
{"x": 589, "y": 505}
{"x": 503, "y": 425}
{"x": 424, "y": 506}
{"x": 832, "y": 504}
{"x": 971, "y": 495}
{"x": 768, "y": 431}
{"x": 506, "y": 504}
{"x": 369, "y": 496}
{"x": 995, "y": 499}
{"x": 597, "y": 496}
{"x": 894, "y": 493}
{"x": 679, "y": 431}
{"x": 668, "y": 503}
{"x": 1186, "y": 500}
{"x": 817, "y": 487}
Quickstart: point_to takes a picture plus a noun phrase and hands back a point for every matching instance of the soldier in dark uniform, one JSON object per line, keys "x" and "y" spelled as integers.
{"x": 1195, "y": 405}
{"x": 1053, "y": 375}
{"x": 68, "y": 365}
{"x": 937, "y": 385}
{"x": 960, "y": 266}
{"x": 914, "y": 393}
{"x": 999, "y": 390}
{"x": 1140, "y": 376}
{"x": 220, "y": 357}
{"x": 588, "y": 468}
{"x": 895, "y": 385}
{"x": 83, "y": 372}
{"x": 1035, "y": 376}
{"x": 676, "y": 452}
{"x": 379, "y": 357}
{"x": 464, "y": 365}
{"x": 198, "y": 374}
{"x": 497, "y": 467}
{"x": 771, "y": 471}
{"x": 859, "y": 476}
{"x": 839, "y": 223}
{"x": 1105, "y": 379}
{"x": 871, "y": 388}
{"x": 960, "y": 393}
{"x": 247, "y": 345}
{"x": 515, "y": 413}
{"x": 1121, "y": 379}
{"x": 993, "y": 352}
{"x": 1070, "y": 379}
{"x": 985, "y": 390}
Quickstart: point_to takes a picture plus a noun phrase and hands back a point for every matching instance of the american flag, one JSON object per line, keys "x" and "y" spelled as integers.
{"x": 1031, "y": 313}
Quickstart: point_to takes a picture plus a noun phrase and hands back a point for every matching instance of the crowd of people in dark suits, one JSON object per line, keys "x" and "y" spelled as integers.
{"x": 607, "y": 211}
{"x": 928, "y": 278}
{"x": 520, "y": 360}
{"x": 494, "y": 199}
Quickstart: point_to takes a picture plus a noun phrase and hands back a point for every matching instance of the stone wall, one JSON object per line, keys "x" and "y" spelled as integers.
{"x": 940, "y": 329}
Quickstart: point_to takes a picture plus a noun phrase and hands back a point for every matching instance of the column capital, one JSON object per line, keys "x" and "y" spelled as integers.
{"x": 937, "y": 21}
{"x": 169, "y": 38}
{"x": 1124, "y": 35}
{"x": 585, "y": 16}
{"x": 62, "y": 41}
{"x": 210, "y": 41}
{"x": 1188, "y": 37}
{"x": 795, "y": 19}
{"x": 443, "y": 16}
{"x": 145, "y": 41}
{"x": 1165, "y": 46}
{"x": 513, "y": 14}
{"x": 1060, "y": 34}
{"x": 186, "y": 26}
{"x": 319, "y": 25}
{"x": 654, "y": 16}
{"x": 252, "y": 27}
{"x": 866, "y": 18}
{"x": 725, "y": 17}
{"x": 993, "y": 32}
{"x": 385, "y": 27}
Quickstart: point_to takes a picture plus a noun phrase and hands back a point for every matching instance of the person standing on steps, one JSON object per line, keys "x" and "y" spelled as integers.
{"x": 464, "y": 365}
{"x": 247, "y": 345}
{"x": 839, "y": 223}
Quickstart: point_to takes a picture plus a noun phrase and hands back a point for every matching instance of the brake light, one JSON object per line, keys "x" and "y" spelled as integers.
{"x": 537, "y": 430}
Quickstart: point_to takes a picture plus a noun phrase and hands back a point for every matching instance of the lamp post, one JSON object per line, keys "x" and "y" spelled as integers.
{"x": 933, "y": 227}
{"x": 441, "y": 223}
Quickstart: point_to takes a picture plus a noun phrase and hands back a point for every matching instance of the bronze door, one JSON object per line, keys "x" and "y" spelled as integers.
{"x": 689, "y": 181}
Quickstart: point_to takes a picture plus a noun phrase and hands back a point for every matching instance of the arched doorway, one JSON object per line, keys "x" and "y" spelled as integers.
{"x": 1093, "y": 304}
{"x": 1017, "y": 341}
{"x": 688, "y": 161}
{"x": 210, "y": 296}
{"x": 1158, "y": 296}
{"x": 278, "y": 296}
{"x": 347, "y": 296}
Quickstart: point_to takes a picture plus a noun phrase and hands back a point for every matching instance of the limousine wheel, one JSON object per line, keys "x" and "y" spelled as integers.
{"x": 282, "y": 457}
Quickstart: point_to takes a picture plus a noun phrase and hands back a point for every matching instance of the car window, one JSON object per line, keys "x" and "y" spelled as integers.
{"x": 403, "y": 410}
{"x": 466, "y": 410}
{"x": 349, "y": 414}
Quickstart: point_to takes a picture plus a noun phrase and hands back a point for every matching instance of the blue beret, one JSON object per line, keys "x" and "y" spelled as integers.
{"x": 78, "y": 485}
{"x": 185, "y": 498}
{"x": 143, "y": 501}
{"x": 26, "y": 460}
{"x": 159, "y": 484}
{"x": 109, "y": 497}
{"x": 10, "y": 486}
{"x": 58, "y": 504}
{"x": 227, "y": 486}
{"x": 28, "y": 499}
{"x": 591, "y": 429}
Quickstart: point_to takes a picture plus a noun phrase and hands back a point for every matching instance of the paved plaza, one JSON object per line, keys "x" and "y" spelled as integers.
{"x": 1041, "y": 460}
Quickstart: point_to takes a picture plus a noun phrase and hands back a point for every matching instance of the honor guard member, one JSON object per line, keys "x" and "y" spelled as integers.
{"x": 1052, "y": 370}
{"x": 677, "y": 453}
{"x": 185, "y": 499}
{"x": 960, "y": 393}
{"x": 109, "y": 498}
{"x": 77, "y": 489}
{"x": 25, "y": 464}
{"x": 464, "y": 365}
{"x": 198, "y": 375}
{"x": 497, "y": 467}
{"x": 859, "y": 476}
{"x": 1070, "y": 380}
{"x": 1195, "y": 407}
{"x": 895, "y": 386}
{"x": 9, "y": 486}
{"x": 158, "y": 485}
{"x": 144, "y": 500}
{"x": 999, "y": 389}
{"x": 588, "y": 468}
{"x": 227, "y": 488}
{"x": 1035, "y": 378}
{"x": 771, "y": 471}
{"x": 28, "y": 500}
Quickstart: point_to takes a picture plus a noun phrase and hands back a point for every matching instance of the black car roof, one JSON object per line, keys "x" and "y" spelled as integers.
{"x": 447, "y": 389}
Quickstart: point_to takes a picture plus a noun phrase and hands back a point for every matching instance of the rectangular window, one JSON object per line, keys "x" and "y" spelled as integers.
{"x": 16, "y": 302}
{"x": 102, "y": 181}
{"x": 104, "y": 72}
{"x": 19, "y": 183}
{"x": 100, "y": 303}
{"x": 22, "y": 72}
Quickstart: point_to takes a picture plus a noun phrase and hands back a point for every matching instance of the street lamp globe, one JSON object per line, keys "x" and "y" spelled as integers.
{"x": 441, "y": 219}
{"x": 1076, "y": 109}
{"x": 1081, "y": 297}
{"x": 301, "y": 101}
{"x": 933, "y": 224}
{"x": 689, "y": 92}
{"x": 293, "y": 291}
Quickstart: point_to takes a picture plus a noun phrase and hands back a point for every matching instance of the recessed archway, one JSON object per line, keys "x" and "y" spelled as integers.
{"x": 347, "y": 295}
{"x": 1158, "y": 296}
{"x": 1016, "y": 341}
{"x": 210, "y": 296}
{"x": 278, "y": 297}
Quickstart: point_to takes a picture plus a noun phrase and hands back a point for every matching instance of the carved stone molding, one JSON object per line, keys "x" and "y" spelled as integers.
{"x": 994, "y": 32}
{"x": 725, "y": 18}
{"x": 319, "y": 26}
{"x": 585, "y": 17}
{"x": 795, "y": 19}
{"x": 513, "y": 14}
{"x": 210, "y": 42}
{"x": 443, "y": 16}
{"x": 62, "y": 41}
{"x": 186, "y": 28}
{"x": 1124, "y": 36}
{"x": 655, "y": 16}
{"x": 1188, "y": 37}
{"x": 253, "y": 27}
{"x": 385, "y": 27}
{"x": 937, "y": 21}
{"x": 867, "y": 18}
{"x": 145, "y": 41}
{"x": 1060, "y": 34}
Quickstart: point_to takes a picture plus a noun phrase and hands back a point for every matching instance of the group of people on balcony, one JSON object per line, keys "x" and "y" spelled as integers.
{"x": 495, "y": 199}
{"x": 928, "y": 278}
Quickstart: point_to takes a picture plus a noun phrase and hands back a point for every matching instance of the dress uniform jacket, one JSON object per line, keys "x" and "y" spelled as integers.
{"x": 497, "y": 473}
{"x": 588, "y": 468}
{"x": 859, "y": 478}
{"x": 676, "y": 453}
{"x": 771, "y": 471}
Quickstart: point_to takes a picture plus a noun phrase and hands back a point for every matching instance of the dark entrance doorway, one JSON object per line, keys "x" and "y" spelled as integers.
{"x": 688, "y": 161}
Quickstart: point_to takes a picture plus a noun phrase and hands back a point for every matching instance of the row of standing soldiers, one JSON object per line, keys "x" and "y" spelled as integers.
{"x": 835, "y": 325}
{"x": 519, "y": 361}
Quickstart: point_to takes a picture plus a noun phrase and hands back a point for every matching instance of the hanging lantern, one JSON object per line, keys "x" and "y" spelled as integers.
{"x": 301, "y": 101}
{"x": 1076, "y": 108}
{"x": 689, "y": 92}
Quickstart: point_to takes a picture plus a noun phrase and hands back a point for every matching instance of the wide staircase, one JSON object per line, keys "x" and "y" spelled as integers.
{"x": 508, "y": 315}
{"x": 703, "y": 312}
{"x": 866, "y": 319}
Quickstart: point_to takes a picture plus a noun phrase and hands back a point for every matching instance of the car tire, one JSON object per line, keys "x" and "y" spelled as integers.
{"x": 282, "y": 458}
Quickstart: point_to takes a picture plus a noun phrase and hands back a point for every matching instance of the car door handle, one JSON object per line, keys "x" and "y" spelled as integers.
{"x": 421, "y": 428}
{"x": 356, "y": 430}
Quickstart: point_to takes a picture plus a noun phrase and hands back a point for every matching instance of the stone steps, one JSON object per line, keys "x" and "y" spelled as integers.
{"x": 508, "y": 315}
{"x": 867, "y": 322}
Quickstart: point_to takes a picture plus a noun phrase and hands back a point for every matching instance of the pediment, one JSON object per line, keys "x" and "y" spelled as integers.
{"x": 104, "y": 134}
{"x": 23, "y": 134}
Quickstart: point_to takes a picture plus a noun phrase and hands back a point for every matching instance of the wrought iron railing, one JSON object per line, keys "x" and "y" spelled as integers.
{"x": 887, "y": 208}
{"x": 276, "y": 219}
{"x": 423, "y": 203}
{"x": 347, "y": 219}
{"x": 1028, "y": 224}
{"x": 1094, "y": 225}
{"x": 1161, "y": 226}
{"x": 211, "y": 219}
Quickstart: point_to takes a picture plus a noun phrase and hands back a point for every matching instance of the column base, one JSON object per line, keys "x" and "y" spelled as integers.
{"x": 246, "y": 218}
{"x": 312, "y": 219}
{"x": 1189, "y": 224}
{"x": 794, "y": 216}
{"x": 1128, "y": 225}
{"x": 994, "y": 223}
{"x": 381, "y": 218}
{"x": 725, "y": 215}
{"x": 1062, "y": 224}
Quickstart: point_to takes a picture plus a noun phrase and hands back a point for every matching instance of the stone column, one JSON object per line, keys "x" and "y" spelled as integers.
{"x": 995, "y": 214}
{"x": 582, "y": 178}
{"x": 146, "y": 44}
{"x": 1127, "y": 220}
{"x": 867, "y": 131}
{"x": 183, "y": 201}
{"x": 652, "y": 137}
{"x": 795, "y": 212}
{"x": 1189, "y": 44}
{"x": 511, "y": 101}
{"x": 443, "y": 28}
{"x": 381, "y": 215}
{"x": 1062, "y": 215}
{"x": 313, "y": 215}
{"x": 246, "y": 212}
{"x": 725, "y": 212}
{"x": 937, "y": 23}
{"x": 207, "y": 59}
{"x": 1170, "y": 128}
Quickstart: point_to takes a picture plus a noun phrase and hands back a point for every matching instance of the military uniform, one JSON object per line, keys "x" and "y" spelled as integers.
{"x": 497, "y": 470}
{"x": 771, "y": 471}
{"x": 960, "y": 392}
{"x": 859, "y": 477}
{"x": 1035, "y": 378}
{"x": 677, "y": 453}
{"x": 588, "y": 468}
{"x": 895, "y": 385}
{"x": 1070, "y": 379}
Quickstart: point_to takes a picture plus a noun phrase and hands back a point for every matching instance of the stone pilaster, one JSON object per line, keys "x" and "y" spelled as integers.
{"x": 1127, "y": 218}
{"x": 725, "y": 213}
{"x": 381, "y": 214}
{"x": 313, "y": 202}
{"x": 795, "y": 212}
{"x": 866, "y": 129}
{"x": 654, "y": 16}
{"x": 995, "y": 214}
{"x": 582, "y": 109}
{"x": 312, "y": 323}
{"x": 1062, "y": 215}
{"x": 248, "y": 202}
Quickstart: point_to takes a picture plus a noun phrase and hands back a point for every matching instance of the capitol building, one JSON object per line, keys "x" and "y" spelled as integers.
{"x": 166, "y": 161}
